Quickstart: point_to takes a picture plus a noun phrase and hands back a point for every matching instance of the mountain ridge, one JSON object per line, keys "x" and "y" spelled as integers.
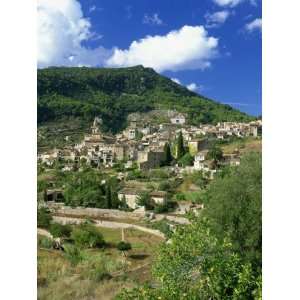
{"x": 114, "y": 93}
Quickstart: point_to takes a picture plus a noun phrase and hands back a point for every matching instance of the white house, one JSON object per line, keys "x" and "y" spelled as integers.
{"x": 178, "y": 119}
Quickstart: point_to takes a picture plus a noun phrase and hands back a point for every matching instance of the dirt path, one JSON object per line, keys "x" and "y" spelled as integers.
{"x": 108, "y": 224}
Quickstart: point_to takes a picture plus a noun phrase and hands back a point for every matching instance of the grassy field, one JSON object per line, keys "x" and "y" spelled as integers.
{"x": 243, "y": 145}
{"x": 58, "y": 279}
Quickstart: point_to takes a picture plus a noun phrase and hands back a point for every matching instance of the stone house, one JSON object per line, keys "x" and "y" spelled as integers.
{"x": 130, "y": 196}
{"x": 150, "y": 159}
{"x": 178, "y": 119}
{"x": 159, "y": 197}
{"x": 195, "y": 145}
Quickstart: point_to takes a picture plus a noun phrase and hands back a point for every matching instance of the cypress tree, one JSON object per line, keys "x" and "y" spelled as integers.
{"x": 108, "y": 196}
{"x": 180, "y": 146}
{"x": 167, "y": 155}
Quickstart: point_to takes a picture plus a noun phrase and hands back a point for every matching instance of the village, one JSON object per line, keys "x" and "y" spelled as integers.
{"x": 142, "y": 147}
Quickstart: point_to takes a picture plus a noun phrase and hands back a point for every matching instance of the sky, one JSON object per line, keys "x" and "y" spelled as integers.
{"x": 213, "y": 47}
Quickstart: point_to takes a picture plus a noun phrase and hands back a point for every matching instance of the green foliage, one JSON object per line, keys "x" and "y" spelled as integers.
{"x": 87, "y": 236}
{"x": 186, "y": 160}
{"x": 158, "y": 174}
{"x": 59, "y": 230}
{"x": 234, "y": 207}
{"x": 180, "y": 150}
{"x": 73, "y": 254}
{"x": 164, "y": 186}
{"x": 144, "y": 199}
{"x": 44, "y": 217}
{"x": 164, "y": 227}
{"x": 217, "y": 256}
{"x": 44, "y": 242}
{"x": 196, "y": 265}
{"x": 215, "y": 153}
{"x": 168, "y": 158}
{"x": 124, "y": 246}
{"x": 114, "y": 93}
{"x": 160, "y": 208}
{"x": 85, "y": 189}
{"x": 99, "y": 273}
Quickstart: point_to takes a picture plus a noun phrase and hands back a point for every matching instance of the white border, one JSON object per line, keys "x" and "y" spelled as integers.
{"x": 18, "y": 150}
{"x": 281, "y": 180}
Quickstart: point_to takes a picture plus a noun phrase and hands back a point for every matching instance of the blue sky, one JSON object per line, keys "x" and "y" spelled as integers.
{"x": 211, "y": 46}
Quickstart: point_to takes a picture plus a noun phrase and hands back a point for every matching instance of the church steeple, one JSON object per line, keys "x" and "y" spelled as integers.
{"x": 95, "y": 127}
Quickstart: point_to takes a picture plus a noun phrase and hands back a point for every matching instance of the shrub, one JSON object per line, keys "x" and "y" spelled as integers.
{"x": 87, "y": 236}
{"x": 186, "y": 160}
{"x": 45, "y": 242}
{"x": 124, "y": 246}
{"x": 44, "y": 217}
{"x": 160, "y": 208}
{"x": 144, "y": 199}
{"x": 58, "y": 230}
{"x": 180, "y": 197}
{"x": 73, "y": 254}
{"x": 99, "y": 273}
{"x": 164, "y": 186}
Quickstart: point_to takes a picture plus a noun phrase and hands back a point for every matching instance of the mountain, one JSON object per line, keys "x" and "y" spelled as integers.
{"x": 81, "y": 93}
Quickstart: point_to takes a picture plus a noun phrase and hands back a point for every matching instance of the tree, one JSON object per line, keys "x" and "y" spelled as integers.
{"x": 216, "y": 154}
{"x": 168, "y": 158}
{"x": 186, "y": 160}
{"x": 218, "y": 255}
{"x": 180, "y": 146}
{"x": 144, "y": 199}
{"x": 44, "y": 217}
{"x": 196, "y": 265}
{"x": 59, "y": 230}
{"x": 87, "y": 236}
{"x": 124, "y": 247}
{"x": 108, "y": 196}
{"x": 234, "y": 207}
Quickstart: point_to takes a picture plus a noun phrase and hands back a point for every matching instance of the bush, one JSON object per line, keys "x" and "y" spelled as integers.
{"x": 44, "y": 217}
{"x": 180, "y": 197}
{"x": 124, "y": 246}
{"x": 58, "y": 230}
{"x": 164, "y": 186}
{"x": 99, "y": 273}
{"x": 44, "y": 242}
{"x": 87, "y": 236}
{"x": 160, "y": 208}
{"x": 158, "y": 173}
{"x": 73, "y": 254}
{"x": 186, "y": 160}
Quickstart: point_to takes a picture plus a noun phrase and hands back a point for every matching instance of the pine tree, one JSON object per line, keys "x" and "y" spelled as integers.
{"x": 180, "y": 146}
{"x": 167, "y": 155}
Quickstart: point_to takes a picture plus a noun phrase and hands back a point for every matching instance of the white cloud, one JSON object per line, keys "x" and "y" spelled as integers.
{"x": 254, "y": 25}
{"x": 192, "y": 86}
{"x": 61, "y": 31}
{"x": 231, "y": 3}
{"x": 217, "y": 18}
{"x": 92, "y": 8}
{"x": 176, "y": 80}
{"x": 195, "y": 87}
{"x": 152, "y": 20}
{"x": 187, "y": 48}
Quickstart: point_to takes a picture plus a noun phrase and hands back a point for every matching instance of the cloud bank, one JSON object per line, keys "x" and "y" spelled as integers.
{"x": 187, "y": 48}
{"x": 62, "y": 31}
